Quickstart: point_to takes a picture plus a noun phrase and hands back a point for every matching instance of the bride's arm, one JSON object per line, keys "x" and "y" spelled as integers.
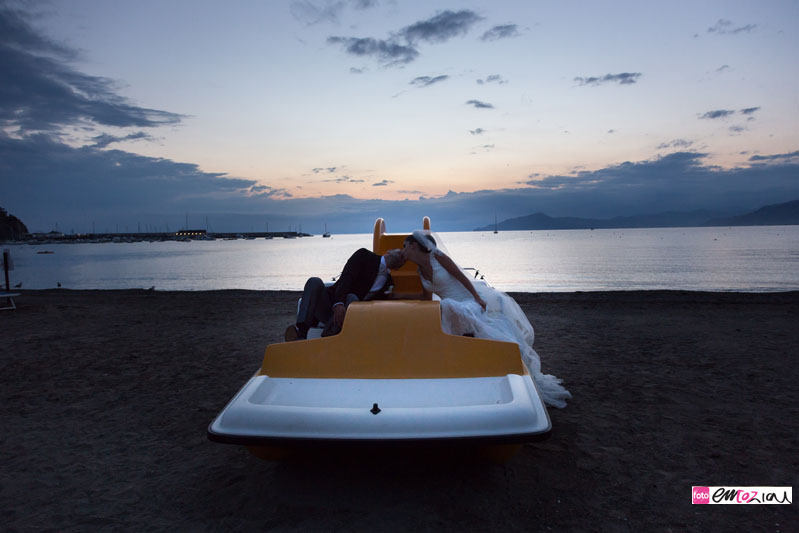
{"x": 456, "y": 272}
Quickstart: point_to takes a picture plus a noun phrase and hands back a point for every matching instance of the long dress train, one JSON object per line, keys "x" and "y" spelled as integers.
{"x": 503, "y": 320}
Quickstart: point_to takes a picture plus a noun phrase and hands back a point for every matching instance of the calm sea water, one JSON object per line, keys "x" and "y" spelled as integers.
{"x": 752, "y": 259}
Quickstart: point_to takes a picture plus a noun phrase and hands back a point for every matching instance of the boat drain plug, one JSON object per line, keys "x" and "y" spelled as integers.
{"x": 375, "y": 409}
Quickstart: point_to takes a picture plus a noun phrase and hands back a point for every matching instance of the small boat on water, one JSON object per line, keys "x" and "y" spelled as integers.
{"x": 392, "y": 377}
{"x": 326, "y": 234}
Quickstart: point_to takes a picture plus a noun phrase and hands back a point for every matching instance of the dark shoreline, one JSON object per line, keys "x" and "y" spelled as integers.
{"x": 107, "y": 395}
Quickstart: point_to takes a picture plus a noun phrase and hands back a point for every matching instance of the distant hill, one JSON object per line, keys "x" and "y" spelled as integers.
{"x": 668, "y": 219}
{"x": 770, "y": 215}
{"x": 11, "y": 228}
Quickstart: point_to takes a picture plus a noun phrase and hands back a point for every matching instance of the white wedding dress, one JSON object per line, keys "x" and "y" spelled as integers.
{"x": 503, "y": 320}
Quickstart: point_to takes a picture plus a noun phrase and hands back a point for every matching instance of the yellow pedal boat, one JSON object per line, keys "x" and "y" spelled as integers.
{"x": 392, "y": 377}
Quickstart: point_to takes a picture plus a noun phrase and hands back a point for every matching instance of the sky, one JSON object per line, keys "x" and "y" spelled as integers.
{"x": 126, "y": 116}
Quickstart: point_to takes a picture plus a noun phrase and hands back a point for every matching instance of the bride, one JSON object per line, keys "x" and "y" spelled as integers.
{"x": 479, "y": 310}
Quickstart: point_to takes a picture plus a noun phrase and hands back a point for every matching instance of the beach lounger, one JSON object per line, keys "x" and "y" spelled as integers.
{"x": 9, "y": 297}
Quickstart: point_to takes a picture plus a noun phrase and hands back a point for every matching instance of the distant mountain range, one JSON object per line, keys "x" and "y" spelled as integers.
{"x": 770, "y": 215}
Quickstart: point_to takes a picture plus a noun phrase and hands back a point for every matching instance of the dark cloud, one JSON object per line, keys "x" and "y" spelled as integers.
{"x": 776, "y": 157}
{"x": 494, "y": 78}
{"x": 329, "y": 170}
{"x": 388, "y": 52}
{"x": 725, "y": 27}
{"x": 46, "y": 182}
{"x": 503, "y": 31}
{"x": 478, "y": 131}
{"x": 737, "y": 128}
{"x": 623, "y": 78}
{"x": 718, "y": 113}
{"x": 479, "y": 105}
{"x": 343, "y": 179}
{"x": 442, "y": 27}
{"x": 676, "y": 143}
{"x": 427, "y": 81}
{"x": 382, "y": 183}
{"x": 265, "y": 191}
{"x": 354, "y": 70}
{"x": 104, "y": 181}
{"x": 400, "y": 48}
{"x": 722, "y": 68}
{"x": 678, "y": 181}
{"x": 104, "y": 139}
{"x": 749, "y": 110}
{"x": 41, "y": 92}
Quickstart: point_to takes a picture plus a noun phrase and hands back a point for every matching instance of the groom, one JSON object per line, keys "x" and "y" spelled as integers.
{"x": 365, "y": 277}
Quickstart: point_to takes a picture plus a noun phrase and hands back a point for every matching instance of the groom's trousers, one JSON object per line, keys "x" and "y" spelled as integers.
{"x": 317, "y": 306}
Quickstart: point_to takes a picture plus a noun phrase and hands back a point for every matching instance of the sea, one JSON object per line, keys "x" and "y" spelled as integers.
{"x": 743, "y": 259}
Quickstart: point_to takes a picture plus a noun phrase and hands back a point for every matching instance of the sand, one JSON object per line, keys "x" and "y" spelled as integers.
{"x": 106, "y": 397}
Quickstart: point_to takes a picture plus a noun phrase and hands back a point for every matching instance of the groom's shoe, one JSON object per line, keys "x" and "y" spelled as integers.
{"x": 293, "y": 334}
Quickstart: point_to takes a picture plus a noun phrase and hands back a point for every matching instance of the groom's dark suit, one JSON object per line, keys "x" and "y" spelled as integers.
{"x": 354, "y": 283}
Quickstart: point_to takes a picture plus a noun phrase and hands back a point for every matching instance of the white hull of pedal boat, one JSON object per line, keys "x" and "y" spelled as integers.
{"x": 495, "y": 409}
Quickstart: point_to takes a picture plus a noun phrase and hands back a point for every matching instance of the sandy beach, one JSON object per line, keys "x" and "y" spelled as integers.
{"x": 106, "y": 397}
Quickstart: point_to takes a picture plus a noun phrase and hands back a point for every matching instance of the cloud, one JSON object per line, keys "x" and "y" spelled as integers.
{"x": 678, "y": 181}
{"x": 676, "y": 143}
{"x": 391, "y": 53}
{"x": 41, "y": 92}
{"x": 503, "y": 31}
{"x": 343, "y": 179}
{"x": 718, "y": 113}
{"x": 776, "y": 157}
{"x": 441, "y": 27}
{"x": 88, "y": 179}
{"x": 478, "y": 131}
{"x": 427, "y": 81}
{"x": 364, "y": 4}
{"x": 749, "y": 110}
{"x": 382, "y": 183}
{"x": 328, "y": 170}
{"x": 479, "y": 105}
{"x": 104, "y": 139}
{"x": 724, "y": 27}
{"x": 737, "y": 128}
{"x": 623, "y": 78}
{"x": 400, "y": 48}
{"x": 312, "y": 13}
{"x": 265, "y": 191}
{"x": 325, "y": 11}
{"x": 494, "y": 78}
{"x": 45, "y": 181}
{"x": 722, "y": 68}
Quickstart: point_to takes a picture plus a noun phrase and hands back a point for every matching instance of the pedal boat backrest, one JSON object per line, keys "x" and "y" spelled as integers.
{"x": 406, "y": 279}
{"x": 394, "y": 340}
